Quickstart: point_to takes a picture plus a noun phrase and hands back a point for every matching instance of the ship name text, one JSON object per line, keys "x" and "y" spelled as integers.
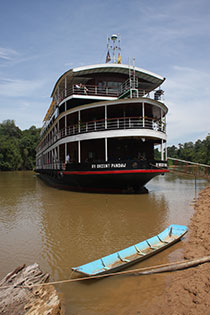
{"x": 109, "y": 165}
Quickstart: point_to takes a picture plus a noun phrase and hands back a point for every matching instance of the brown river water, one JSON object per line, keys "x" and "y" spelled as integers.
{"x": 61, "y": 229}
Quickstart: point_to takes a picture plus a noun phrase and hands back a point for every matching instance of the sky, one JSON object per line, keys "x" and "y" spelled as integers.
{"x": 40, "y": 40}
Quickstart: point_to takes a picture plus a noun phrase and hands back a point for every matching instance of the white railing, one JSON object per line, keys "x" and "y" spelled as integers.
{"x": 52, "y": 166}
{"x": 113, "y": 124}
{"x": 109, "y": 124}
{"x": 95, "y": 90}
{"x": 92, "y": 90}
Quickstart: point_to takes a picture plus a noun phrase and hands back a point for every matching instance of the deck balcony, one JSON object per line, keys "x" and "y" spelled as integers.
{"x": 97, "y": 91}
{"x": 121, "y": 123}
{"x": 112, "y": 124}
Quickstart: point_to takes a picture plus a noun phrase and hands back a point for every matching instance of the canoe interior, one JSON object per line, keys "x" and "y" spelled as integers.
{"x": 134, "y": 253}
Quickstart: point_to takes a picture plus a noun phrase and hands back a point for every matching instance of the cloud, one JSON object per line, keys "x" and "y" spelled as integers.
{"x": 7, "y": 54}
{"x": 18, "y": 88}
{"x": 24, "y": 111}
{"x": 11, "y": 58}
{"x": 172, "y": 23}
{"x": 188, "y": 94}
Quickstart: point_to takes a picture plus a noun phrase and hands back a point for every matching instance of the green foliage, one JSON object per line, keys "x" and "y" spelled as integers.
{"x": 17, "y": 147}
{"x": 157, "y": 154}
{"x": 198, "y": 152}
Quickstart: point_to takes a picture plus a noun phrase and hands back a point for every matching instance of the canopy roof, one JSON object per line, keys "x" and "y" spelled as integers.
{"x": 153, "y": 80}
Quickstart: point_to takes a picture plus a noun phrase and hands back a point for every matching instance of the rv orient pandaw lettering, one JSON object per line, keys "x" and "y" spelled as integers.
{"x": 102, "y": 127}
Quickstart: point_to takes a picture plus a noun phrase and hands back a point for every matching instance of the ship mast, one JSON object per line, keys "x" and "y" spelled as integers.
{"x": 113, "y": 46}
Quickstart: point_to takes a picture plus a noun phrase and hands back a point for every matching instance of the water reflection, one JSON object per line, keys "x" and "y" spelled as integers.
{"x": 82, "y": 227}
{"x": 60, "y": 229}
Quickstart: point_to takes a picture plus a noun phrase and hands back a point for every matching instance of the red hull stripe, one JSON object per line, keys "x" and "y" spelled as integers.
{"x": 112, "y": 172}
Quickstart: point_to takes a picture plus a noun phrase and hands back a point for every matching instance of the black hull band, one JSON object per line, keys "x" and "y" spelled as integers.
{"x": 119, "y": 181}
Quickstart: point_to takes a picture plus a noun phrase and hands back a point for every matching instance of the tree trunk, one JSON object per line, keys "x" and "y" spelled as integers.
{"x": 17, "y": 300}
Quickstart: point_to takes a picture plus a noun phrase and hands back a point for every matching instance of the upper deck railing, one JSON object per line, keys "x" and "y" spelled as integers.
{"x": 84, "y": 90}
{"x": 96, "y": 90}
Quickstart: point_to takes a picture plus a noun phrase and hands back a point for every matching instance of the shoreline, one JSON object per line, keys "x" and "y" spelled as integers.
{"x": 187, "y": 291}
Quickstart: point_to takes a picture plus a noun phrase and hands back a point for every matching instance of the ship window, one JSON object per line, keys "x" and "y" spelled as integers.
{"x": 114, "y": 85}
{"x": 101, "y": 86}
{"x": 109, "y": 84}
{"x": 62, "y": 108}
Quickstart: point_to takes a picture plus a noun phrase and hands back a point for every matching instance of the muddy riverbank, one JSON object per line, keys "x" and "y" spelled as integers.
{"x": 187, "y": 291}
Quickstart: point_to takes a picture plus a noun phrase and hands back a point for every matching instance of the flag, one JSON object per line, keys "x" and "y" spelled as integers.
{"x": 108, "y": 58}
{"x": 119, "y": 58}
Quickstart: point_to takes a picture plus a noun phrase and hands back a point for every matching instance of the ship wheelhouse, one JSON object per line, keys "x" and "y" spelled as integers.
{"x": 103, "y": 115}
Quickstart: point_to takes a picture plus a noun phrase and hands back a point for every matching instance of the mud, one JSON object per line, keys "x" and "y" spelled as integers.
{"x": 188, "y": 291}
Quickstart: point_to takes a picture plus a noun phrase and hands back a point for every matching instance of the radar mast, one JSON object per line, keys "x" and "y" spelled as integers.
{"x": 113, "y": 46}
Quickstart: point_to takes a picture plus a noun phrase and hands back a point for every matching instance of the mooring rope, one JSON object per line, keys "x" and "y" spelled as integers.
{"x": 141, "y": 271}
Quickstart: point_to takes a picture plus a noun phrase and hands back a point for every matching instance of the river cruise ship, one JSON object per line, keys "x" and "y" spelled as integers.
{"x": 102, "y": 127}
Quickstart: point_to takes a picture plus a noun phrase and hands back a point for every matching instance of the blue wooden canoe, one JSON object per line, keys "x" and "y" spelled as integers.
{"x": 135, "y": 253}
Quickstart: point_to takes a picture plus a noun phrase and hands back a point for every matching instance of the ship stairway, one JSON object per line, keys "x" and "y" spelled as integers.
{"x": 129, "y": 89}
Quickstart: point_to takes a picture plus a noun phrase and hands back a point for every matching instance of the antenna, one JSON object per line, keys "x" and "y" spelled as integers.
{"x": 134, "y": 74}
{"x": 113, "y": 47}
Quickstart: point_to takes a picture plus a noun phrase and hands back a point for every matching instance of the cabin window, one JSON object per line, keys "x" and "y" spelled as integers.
{"x": 114, "y": 85}
{"x": 90, "y": 155}
{"x": 111, "y": 85}
{"x": 62, "y": 108}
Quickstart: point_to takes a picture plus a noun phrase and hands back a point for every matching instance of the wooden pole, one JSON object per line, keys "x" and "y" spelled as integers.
{"x": 175, "y": 267}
